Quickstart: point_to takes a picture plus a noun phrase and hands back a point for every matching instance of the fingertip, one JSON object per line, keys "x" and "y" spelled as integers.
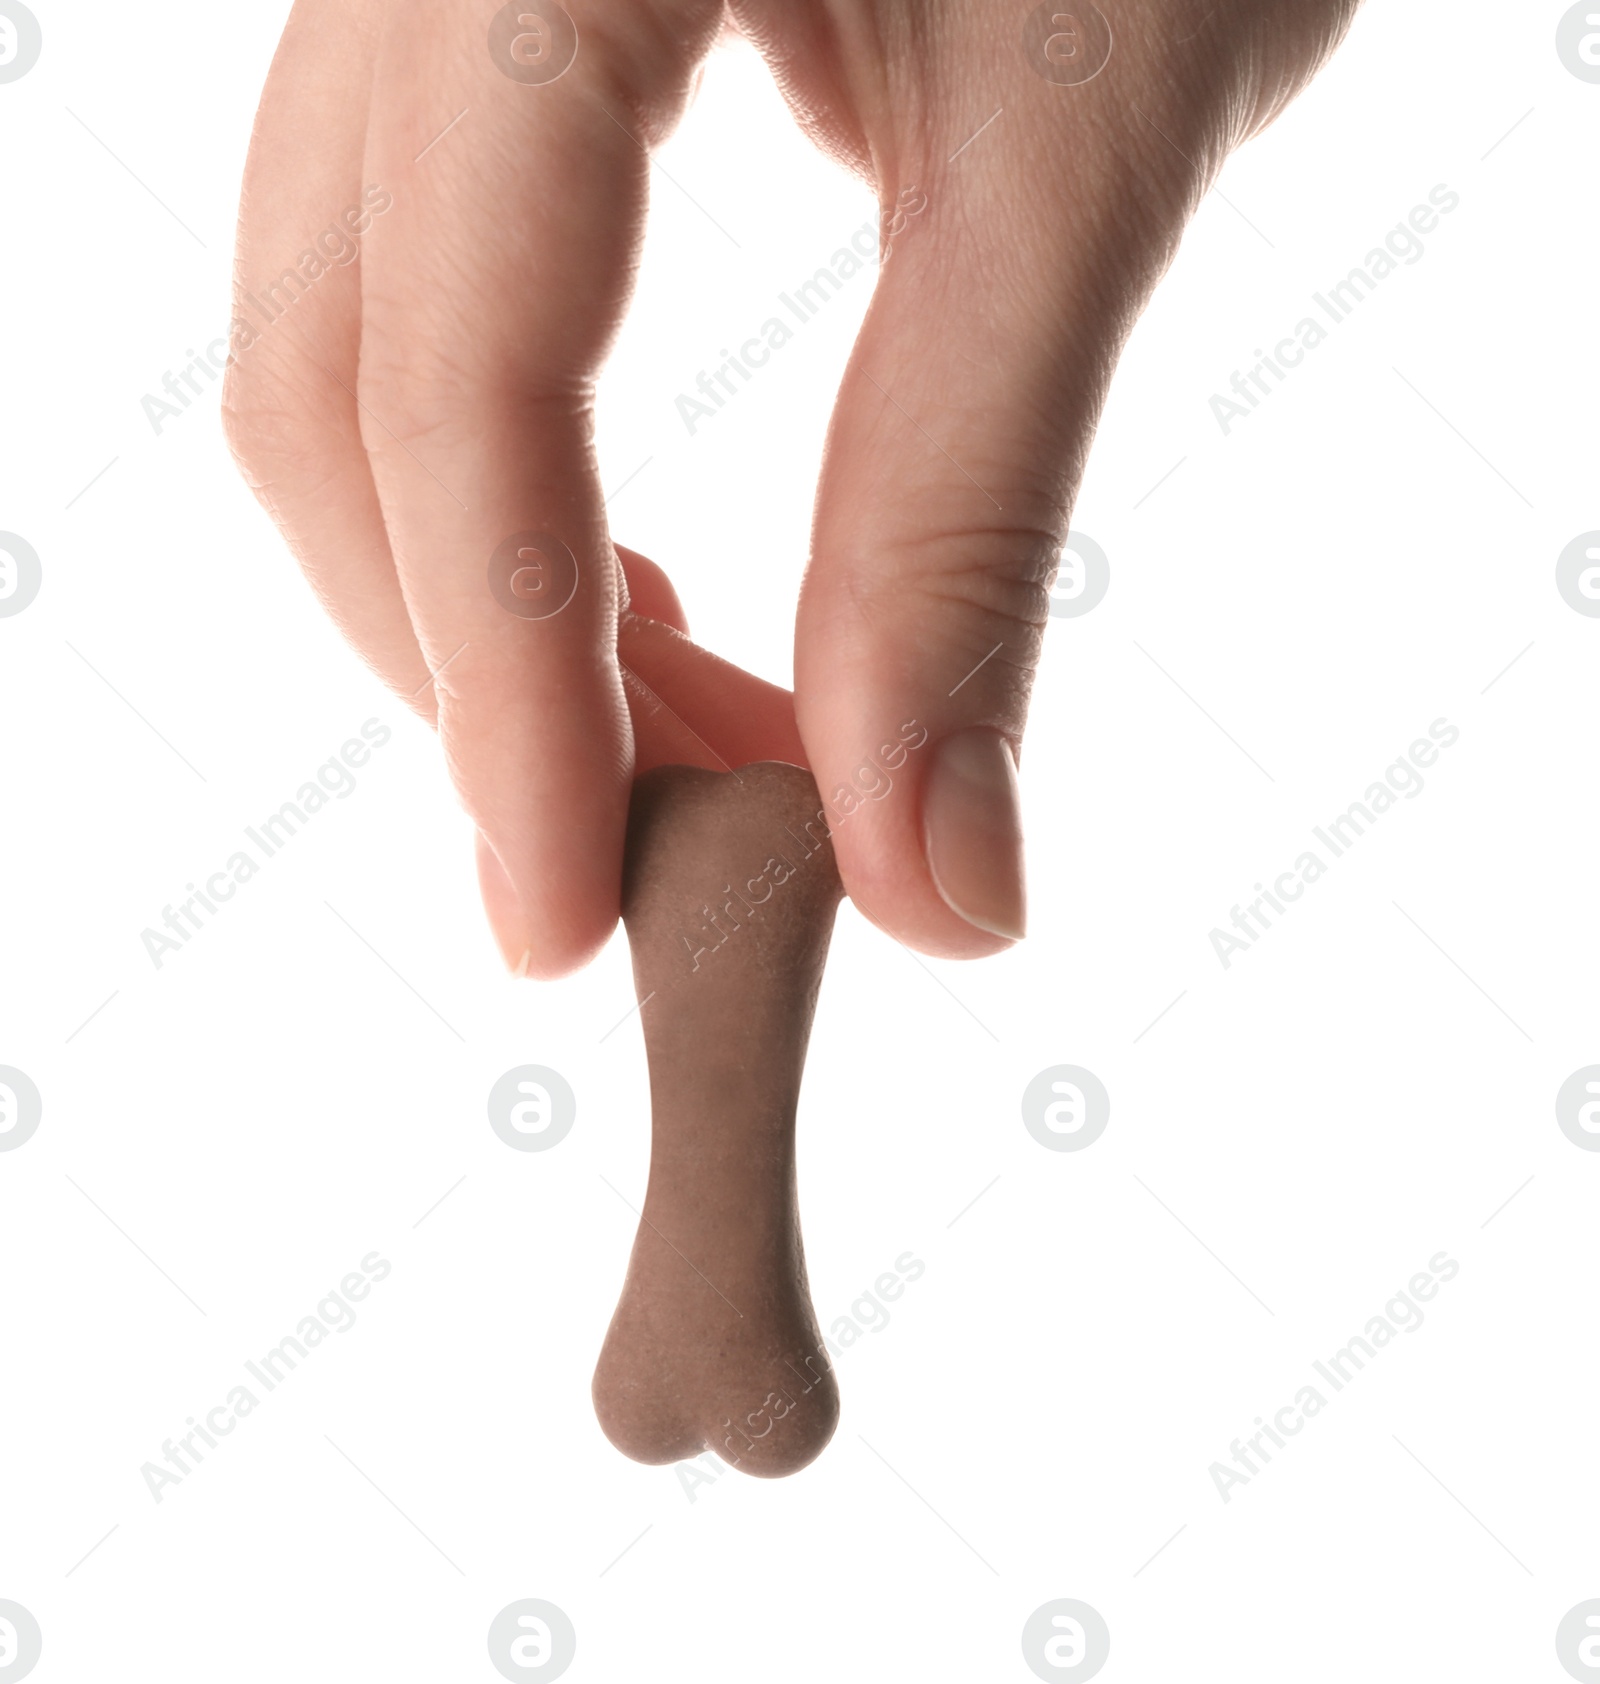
{"x": 929, "y": 842}
{"x": 533, "y": 950}
{"x": 650, "y": 591}
{"x": 502, "y": 906}
{"x": 923, "y": 921}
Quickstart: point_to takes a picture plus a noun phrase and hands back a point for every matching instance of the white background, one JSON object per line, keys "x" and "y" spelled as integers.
{"x": 1039, "y": 1416}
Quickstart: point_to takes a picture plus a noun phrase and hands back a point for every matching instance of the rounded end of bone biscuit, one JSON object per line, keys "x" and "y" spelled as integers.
{"x": 684, "y": 1370}
{"x": 768, "y": 1425}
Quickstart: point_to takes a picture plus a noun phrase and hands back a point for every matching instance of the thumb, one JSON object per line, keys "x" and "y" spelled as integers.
{"x": 954, "y": 454}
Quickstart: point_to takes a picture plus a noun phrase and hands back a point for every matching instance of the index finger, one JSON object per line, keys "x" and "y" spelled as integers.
{"x": 489, "y": 299}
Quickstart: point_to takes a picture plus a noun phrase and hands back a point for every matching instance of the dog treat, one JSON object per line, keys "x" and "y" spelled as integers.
{"x": 729, "y": 896}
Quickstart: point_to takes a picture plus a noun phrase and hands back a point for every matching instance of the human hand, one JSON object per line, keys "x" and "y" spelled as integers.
{"x": 403, "y": 416}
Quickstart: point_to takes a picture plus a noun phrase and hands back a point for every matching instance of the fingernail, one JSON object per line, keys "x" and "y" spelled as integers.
{"x": 504, "y": 909}
{"x": 972, "y": 831}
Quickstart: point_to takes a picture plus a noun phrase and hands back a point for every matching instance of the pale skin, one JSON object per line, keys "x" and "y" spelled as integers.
{"x": 418, "y": 405}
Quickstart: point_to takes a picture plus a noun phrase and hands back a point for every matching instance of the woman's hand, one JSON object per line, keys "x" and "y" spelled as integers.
{"x": 419, "y": 422}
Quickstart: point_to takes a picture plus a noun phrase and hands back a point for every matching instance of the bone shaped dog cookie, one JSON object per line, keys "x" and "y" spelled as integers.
{"x": 729, "y": 898}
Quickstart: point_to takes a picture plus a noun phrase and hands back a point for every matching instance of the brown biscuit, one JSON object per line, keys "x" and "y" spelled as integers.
{"x": 729, "y": 897}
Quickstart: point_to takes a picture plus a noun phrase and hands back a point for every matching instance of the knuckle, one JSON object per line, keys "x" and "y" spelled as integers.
{"x": 445, "y": 397}
{"x": 280, "y": 421}
{"x": 966, "y": 611}
{"x": 412, "y": 402}
{"x": 970, "y": 590}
